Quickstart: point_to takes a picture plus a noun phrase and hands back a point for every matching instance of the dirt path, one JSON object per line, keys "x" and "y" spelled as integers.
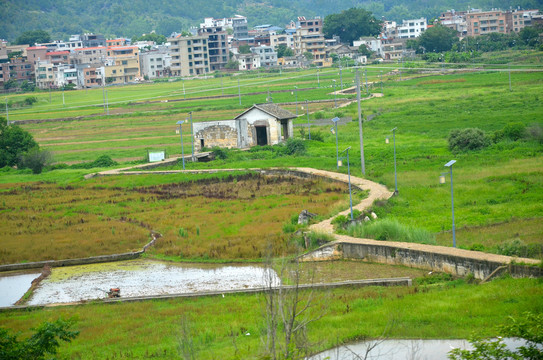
{"x": 376, "y": 192}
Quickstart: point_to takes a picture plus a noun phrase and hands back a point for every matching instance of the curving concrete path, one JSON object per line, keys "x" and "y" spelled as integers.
{"x": 376, "y": 192}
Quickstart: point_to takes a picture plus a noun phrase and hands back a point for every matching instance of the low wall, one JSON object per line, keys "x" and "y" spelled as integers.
{"x": 82, "y": 261}
{"x": 394, "y": 255}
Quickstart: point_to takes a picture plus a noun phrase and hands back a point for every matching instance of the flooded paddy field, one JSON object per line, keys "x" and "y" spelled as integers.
{"x": 140, "y": 277}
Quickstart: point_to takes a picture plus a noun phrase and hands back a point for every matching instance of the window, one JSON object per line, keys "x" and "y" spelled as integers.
{"x": 124, "y": 62}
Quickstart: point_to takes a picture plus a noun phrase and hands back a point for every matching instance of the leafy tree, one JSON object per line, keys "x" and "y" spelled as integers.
{"x": 35, "y": 159}
{"x": 309, "y": 56}
{"x": 529, "y": 328}
{"x": 363, "y": 49}
{"x": 157, "y": 38}
{"x": 44, "y": 341}
{"x": 351, "y": 24}
{"x": 244, "y": 49}
{"x": 14, "y": 142}
{"x": 28, "y": 86}
{"x": 334, "y": 57}
{"x": 283, "y": 50}
{"x": 530, "y": 35}
{"x": 11, "y": 84}
{"x": 438, "y": 38}
{"x": 32, "y": 37}
{"x": 232, "y": 65}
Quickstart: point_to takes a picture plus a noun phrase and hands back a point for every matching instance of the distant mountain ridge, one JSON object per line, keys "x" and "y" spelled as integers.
{"x": 131, "y": 18}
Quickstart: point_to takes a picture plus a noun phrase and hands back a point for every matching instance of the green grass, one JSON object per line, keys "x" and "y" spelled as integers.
{"x": 219, "y": 325}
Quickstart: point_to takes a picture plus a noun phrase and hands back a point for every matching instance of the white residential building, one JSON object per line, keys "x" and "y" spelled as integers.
{"x": 248, "y": 61}
{"x": 65, "y": 74}
{"x": 268, "y": 56}
{"x": 153, "y": 64}
{"x": 411, "y": 28}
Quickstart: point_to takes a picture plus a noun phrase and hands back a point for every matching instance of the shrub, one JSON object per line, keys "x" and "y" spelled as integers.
{"x": 340, "y": 221}
{"x": 467, "y": 139}
{"x": 518, "y": 248}
{"x": 104, "y": 161}
{"x": 35, "y": 159}
{"x": 317, "y": 136}
{"x": 29, "y": 100}
{"x": 295, "y": 147}
{"x": 514, "y": 131}
{"x": 535, "y": 132}
{"x": 219, "y": 153}
{"x": 391, "y": 230}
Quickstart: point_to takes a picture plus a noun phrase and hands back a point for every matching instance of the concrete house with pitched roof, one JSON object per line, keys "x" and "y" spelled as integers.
{"x": 262, "y": 124}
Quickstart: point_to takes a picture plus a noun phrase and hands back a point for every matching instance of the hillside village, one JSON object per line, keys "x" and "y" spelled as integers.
{"x": 227, "y": 44}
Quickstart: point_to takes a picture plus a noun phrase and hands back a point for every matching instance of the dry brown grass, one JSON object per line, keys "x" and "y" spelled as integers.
{"x": 231, "y": 219}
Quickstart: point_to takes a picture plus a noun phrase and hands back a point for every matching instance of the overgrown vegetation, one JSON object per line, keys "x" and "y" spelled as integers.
{"x": 391, "y": 230}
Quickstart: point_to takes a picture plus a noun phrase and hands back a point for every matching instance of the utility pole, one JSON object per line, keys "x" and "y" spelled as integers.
{"x": 239, "y": 93}
{"x": 510, "y": 88}
{"x": 184, "y": 95}
{"x": 366, "y": 75}
{"x": 362, "y": 162}
{"x": 7, "y": 111}
{"x": 381, "y": 76}
{"x": 107, "y": 104}
{"x": 308, "y": 123}
{"x": 222, "y": 88}
{"x": 341, "y": 77}
{"x": 192, "y": 136}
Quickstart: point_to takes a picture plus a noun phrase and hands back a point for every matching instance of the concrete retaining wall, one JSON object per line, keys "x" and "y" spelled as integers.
{"x": 82, "y": 261}
{"x": 454, "y": 265}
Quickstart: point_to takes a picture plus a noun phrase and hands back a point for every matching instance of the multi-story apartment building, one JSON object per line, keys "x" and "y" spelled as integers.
{"x": 518, "y": 19}
{"x": 65, "y": 74}
{"x": 190, "y": 56}
{"x": 239, "y": 25}
{"x": 90, "y": 76}
{"x": 311, "y": 25}
{"x": 268, "y": 56}
{"x": 93, "y": 40}
{"x": 58, "y": 57}
{"x": 411, "y": 28}
{"x": 285, "y": 39}
{"x": 154, "y": 64}
{"x": 248, "y": 61}
{"x": 44, "y": 74}
{"x": 36, "y": 53}
{"x": 217, "y": 42}
{"x": 19, "y": 69}
{"x": 486, "y": 22}
{"x": 91, "y": 55}
{"x": 123, "y": 65}
{"x": 116, "y": 42}
{"x": 313, "y": 43}
{"x": 455, "y": 20}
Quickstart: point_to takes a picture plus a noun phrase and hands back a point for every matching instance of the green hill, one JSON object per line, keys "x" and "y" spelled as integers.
{"x": 133, "y": 17}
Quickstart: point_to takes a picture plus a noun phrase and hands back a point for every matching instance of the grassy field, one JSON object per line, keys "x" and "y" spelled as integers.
{"x": 206, "y": 217}
{"x": 233, "y": 327}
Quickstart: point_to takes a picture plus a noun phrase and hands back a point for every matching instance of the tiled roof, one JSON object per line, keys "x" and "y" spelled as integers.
{"x": 58, "y": 52}
{"x": 271, "y": 109}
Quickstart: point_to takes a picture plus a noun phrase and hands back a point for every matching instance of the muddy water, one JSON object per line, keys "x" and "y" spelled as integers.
{"x": 13, "y": 286}
{"x": 143, "y": 278}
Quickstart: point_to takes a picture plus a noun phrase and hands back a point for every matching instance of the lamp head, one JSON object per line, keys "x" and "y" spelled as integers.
{"x": 387, "y": 140}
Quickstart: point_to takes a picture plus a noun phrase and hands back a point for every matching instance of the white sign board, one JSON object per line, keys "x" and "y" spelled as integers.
{"x": 157, "y": 156}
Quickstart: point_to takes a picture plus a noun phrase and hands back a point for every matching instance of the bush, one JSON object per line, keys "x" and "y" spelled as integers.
{"x": 104, "y": 161}
{"x": 518, "y": 248}
{"x": 467, "y": 139}
{"x": 295, "y": 147}
{"x": 219, "y": 153}
{"x": 391, "y": 230}
{"x": 35, "y": 159}
{"x": 29, "y": 100}
{"x": 535, "y": 132}
{"x": 317, "y": 136}
{"x": 511, "y": 131}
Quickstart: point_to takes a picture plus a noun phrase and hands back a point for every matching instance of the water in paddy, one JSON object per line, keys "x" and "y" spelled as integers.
{"x": 14, "y": 285}
{"x": 143, "y": 278}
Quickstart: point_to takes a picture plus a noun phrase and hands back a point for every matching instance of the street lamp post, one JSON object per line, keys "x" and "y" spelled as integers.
{"x": 296, "y": 91}
{"x": 335, "y": 120}
{"x": 7, "y": 111}
{"x": 184, "y": 94}
{"x": 442, "y": 181}
{"x": 192, "y": 136}
{"x": 349, "y": 175}
{"x": 335, "y": 100}
{"x": 395, "y": 173}
{"x": 341, "y": 76}
{"x": 180, "y": 123}
{"x": 318, "y": 80}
